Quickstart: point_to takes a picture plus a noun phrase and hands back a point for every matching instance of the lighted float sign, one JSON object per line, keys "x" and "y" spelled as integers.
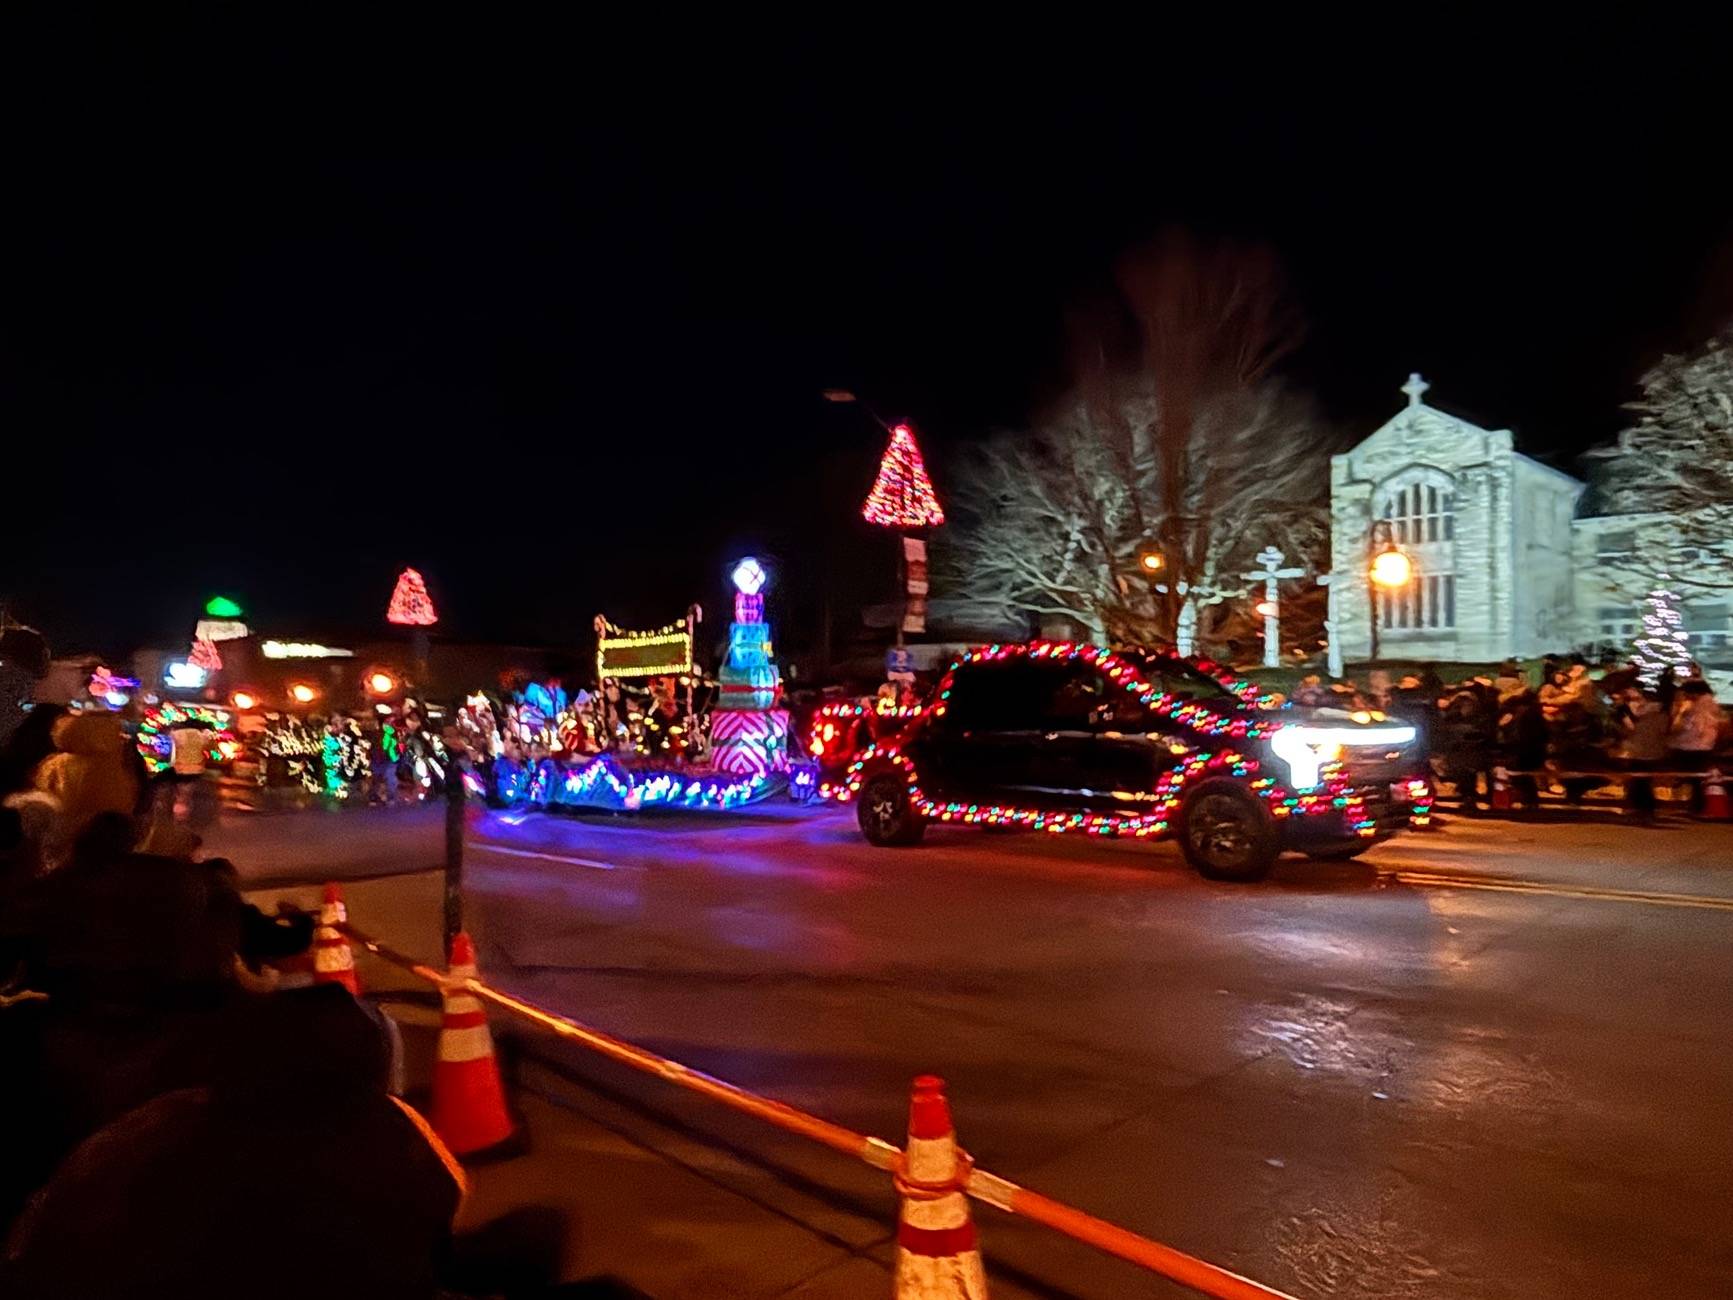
{"x": 179, "y": 675}
{"x": 303, "y": 650}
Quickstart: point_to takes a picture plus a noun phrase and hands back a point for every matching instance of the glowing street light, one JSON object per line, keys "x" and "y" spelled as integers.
{"x": 245, "y": 700}
{"x": 302, "y": 693}
{"x": 1391, "y": 568}
{"x": 1151, "y": 561}
{"x": 381, "y": 683}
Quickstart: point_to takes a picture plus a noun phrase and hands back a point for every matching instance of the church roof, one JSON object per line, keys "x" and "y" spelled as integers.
{"x": 1420, "y": 417}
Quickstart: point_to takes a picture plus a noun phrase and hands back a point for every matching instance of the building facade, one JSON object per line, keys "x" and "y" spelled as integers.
{"x": 1506, "y": 561}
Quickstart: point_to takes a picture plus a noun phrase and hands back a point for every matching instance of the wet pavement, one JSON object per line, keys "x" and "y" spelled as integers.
{"x": 1495, "y": 1061}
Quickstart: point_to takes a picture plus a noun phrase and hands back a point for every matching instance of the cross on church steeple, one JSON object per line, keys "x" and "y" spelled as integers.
{"x": 1414, "y": 388}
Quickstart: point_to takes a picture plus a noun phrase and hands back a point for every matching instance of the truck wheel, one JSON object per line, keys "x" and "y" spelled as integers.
{"x": 1227, "y": 833}
{"x": 887, "y": 817}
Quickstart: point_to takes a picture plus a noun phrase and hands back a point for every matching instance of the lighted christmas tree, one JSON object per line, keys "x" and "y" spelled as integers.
{"x": 902, "y": 496}
{"x": 204, "y": 655}
{"x": 410, "y": 603}
{"x": 1662, "y": 644}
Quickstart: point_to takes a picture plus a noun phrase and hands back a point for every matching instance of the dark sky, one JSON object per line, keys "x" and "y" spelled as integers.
{"x": 548, "y": 314}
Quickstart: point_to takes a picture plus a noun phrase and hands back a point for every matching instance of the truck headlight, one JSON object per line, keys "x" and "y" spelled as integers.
{"x": 1307, "y": 749}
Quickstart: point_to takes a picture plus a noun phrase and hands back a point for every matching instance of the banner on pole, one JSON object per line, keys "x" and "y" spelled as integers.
{"x": 915, "y": 566}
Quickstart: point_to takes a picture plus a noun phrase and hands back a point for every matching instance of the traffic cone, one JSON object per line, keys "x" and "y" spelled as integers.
{"x": 1500, "y": 796}
{"x": 938, "y": 1257}
{"x": 1716, "y": 805}
{"x": 333, "y": 961}
{"x": 469, "y": 1110}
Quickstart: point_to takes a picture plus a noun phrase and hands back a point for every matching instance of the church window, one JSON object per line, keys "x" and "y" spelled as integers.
{"x": 1429, "y": 601}
{"x": 1421, "y": 511}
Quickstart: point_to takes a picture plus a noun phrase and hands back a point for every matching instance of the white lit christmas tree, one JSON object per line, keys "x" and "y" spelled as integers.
{"x": 1662, "y": 644}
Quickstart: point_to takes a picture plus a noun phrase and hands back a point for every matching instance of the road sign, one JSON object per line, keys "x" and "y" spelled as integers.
{"x": 899, "y": 659}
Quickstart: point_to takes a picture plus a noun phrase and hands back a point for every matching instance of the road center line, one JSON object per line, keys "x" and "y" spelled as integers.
{"x": 1709, "y": 902}
{"x": 487, "y": 847}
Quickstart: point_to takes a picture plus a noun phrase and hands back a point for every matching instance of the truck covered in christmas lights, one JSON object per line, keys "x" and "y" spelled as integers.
{"x": 1062, "y": 737}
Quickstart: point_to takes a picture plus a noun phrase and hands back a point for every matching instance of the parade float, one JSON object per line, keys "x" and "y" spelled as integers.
{"x": 656, "y": 732}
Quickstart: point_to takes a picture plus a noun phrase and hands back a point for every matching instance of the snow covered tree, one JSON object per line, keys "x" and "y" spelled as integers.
{"x": 1676, "y": 463}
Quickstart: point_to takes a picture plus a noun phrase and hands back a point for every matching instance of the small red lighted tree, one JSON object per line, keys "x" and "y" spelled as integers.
{"x": 410, "y": 603}
{"x": 902, "y": 496}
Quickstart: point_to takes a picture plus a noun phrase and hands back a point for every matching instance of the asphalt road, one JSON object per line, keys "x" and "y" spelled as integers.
{"x": 1495, "y": 1061}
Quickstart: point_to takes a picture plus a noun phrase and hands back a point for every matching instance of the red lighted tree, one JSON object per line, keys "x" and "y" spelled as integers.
{"x": 410, "y": 603}
{"x": 902, "y": 496}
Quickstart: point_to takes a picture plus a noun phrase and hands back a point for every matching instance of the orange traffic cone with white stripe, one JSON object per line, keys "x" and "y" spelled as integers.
{"x": 1716, "y": 805}
{"x": 938, "y": 1257}
{"x": 469, "y": 1110}
{"x": 1500, "y": 793}
{"x": 333, "y": 961}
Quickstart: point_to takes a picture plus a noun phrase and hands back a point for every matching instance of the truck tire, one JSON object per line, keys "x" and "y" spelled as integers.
{"x": 1227, "y": 833}
{"x": 887, "y": 816}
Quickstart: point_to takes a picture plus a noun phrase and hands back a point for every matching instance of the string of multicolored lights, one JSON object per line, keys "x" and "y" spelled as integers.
{"x": 1334, "y": 793}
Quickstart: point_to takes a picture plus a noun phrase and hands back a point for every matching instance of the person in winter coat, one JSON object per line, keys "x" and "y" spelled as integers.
{"x": 1696, "y": 732}
{"x": 291, "y": 1172}
{"x": 1642, "y": 746}
{"x": 87, "y": 776}
{"x": 1522, "y": 739}
{"x": 134, "y": 955}
{"x": 1466, "y": 737}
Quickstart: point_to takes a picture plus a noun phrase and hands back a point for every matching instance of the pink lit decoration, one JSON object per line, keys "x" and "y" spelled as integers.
{"x": 204, "y": 655}
{"x": 749, "y": 742}
{"x": 902, "y": 496}
{"x": 410, "y": 603}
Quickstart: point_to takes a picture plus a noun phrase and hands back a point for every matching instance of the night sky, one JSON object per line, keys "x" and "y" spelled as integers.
{"x": 550, "y": 316}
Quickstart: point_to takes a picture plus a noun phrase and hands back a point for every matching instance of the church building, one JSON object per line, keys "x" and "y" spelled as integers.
{"x": 1488, "y": 531}
{"x": 1510, "y": 558}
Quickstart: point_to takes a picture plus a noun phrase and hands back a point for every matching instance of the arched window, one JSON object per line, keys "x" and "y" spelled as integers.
{"x": 1420, "y": 508}
{"x": 1419, "y": 504}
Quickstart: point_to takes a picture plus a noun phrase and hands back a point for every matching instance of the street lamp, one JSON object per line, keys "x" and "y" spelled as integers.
{"x": 1387, "y": 566}
{"x": 1151, "y": 561}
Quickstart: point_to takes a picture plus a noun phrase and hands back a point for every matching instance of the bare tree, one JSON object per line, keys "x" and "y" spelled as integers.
{"x": 1053, "y": 522}
{"x": 1186, "y": 448}
{"x": 1675, "y": 465}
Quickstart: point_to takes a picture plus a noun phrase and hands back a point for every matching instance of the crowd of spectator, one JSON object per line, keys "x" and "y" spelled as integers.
{"x": 1570, "y": 733}
{"x": 171, "y": 1123}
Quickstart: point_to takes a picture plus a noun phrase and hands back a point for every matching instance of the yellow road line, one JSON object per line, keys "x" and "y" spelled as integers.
{"x": 1709, "y": 902}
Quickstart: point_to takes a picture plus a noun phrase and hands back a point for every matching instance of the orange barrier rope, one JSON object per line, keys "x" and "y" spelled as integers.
{"x": 1175, "y": 1265}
